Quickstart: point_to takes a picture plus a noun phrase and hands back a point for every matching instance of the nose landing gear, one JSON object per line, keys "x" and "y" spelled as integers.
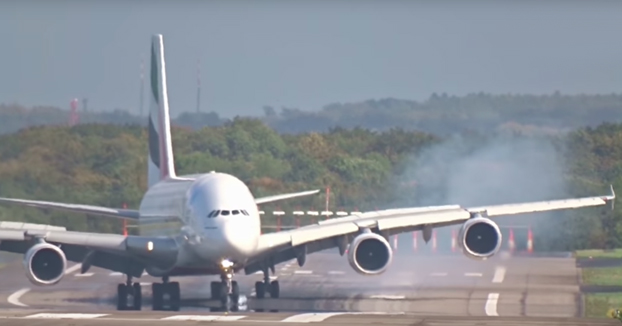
{"x": 227, "y": 290}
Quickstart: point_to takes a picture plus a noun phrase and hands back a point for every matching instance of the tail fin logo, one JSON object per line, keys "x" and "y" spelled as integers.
{"x": 154, "y": 138}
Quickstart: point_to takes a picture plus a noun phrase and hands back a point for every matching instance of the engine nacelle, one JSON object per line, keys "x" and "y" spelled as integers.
{"x": 480, "y": 238}
{"x": 45, "y": 264}
{"x": 369, "y": 254}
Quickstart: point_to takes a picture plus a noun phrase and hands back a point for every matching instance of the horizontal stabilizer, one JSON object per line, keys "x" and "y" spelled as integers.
{"x": 75, "y": 208}
{"x": 270, "y": 199}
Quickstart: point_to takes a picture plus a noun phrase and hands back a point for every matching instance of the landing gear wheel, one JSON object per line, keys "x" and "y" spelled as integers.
{"x": 158, "y": 296}
{"x": 215, "y": 290}
{"x": 138, "y": 296}
{"x": 224, "y": 295}
{"x": 235, "y": 293}
{"x": 260, "y": 290}
{"x": 274, "y": 289}
{"x": 121, "y": 297}
{"x": 174, "y": 295}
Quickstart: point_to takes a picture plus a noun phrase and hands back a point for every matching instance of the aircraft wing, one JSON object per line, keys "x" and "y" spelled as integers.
{"x": 286, "y": 245}
{"x": 75, "y": 208}
{"x": 128, "y": 255}
{"x": 269, "y": 199}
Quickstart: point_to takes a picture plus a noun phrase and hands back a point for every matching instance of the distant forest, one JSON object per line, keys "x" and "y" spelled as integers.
{"x": 440, "y": 115}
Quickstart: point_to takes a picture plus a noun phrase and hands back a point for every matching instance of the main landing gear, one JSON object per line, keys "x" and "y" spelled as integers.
{"x": 165, "y": 295}
{"x": 126, "y": 291}
{"x": 227, "y": 290}
{"x": 266, "y": 286}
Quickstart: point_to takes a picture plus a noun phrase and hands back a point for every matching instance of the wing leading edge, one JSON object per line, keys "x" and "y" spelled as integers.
{"x": 332, "y": 233}
{"x": 75, "y": 208}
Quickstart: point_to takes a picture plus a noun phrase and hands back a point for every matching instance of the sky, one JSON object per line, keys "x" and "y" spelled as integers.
{"x": 305, "y": 53}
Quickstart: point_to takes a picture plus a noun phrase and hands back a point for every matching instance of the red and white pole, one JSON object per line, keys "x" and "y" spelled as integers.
{"x": 511, "y": 243}
{"x": 529, "y": 241}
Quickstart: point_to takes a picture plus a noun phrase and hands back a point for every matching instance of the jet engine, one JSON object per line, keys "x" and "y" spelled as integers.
{"x": 369, "y": 254}
{"x": 480, "y": 238}
{"x": 45, "y": 264}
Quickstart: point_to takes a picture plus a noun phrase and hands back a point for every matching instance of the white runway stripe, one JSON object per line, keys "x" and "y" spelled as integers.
{"x": 311, "y": 317}
{"x": 303, "y": 272}
{"x": 204, "y": 318}
{"x": 14, "y": 297}
{"x": 65, "y": 316}
{"x": 336, "y": 272}
{"x": 499, "y": 274}
{"x": 388, "y": 297}
{"x": 438, "y": 274}
{"x": 72, "y": 269}
{"x": 116, "y": 274}
{"x": 491, "y": 304}
{"x": 84, "y": 275}
{"x": 473, "y": 274}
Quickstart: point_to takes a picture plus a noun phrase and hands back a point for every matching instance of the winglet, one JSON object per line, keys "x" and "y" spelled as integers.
{"x": 611, "y": 198}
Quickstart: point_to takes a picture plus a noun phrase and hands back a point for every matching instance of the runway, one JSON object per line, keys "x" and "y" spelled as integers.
{"x": 434, "y": 290}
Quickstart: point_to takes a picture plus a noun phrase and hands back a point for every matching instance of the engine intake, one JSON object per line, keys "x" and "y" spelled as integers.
{"x": 369, "y": 254}
{"x": 45, "y": 264}
{"x": 480, "y": 238}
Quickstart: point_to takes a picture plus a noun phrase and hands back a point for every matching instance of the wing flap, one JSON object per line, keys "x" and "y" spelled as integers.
{"x": 75, "y": 208}
{"x": 523, "y": 208}
{"x": 274, "y": 198}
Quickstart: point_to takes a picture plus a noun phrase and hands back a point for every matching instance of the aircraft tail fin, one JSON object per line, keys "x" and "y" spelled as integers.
{"x": 160, "y": 163}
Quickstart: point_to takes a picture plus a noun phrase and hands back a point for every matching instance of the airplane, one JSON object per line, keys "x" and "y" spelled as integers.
{"x": 209, "y": 224}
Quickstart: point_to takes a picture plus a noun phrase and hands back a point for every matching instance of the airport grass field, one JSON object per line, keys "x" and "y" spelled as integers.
{"x": 609, "y": 280}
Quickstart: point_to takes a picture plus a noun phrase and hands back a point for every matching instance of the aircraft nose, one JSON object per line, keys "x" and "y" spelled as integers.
{"x": 240, "y": 239}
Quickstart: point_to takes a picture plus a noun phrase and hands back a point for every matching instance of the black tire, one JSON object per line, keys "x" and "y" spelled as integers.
{"x": 174, "y": 292}
{"x": 274, "y": 289}
{"x": 138, "y": 296}
{"x": 235, "y": 293}
{"x": 156, "y": 289}
{"x": 224, "y": 294}
{"x": 215, "y": 290}
{"x": 121, "y": 297}
{"x": 260, "y": 290}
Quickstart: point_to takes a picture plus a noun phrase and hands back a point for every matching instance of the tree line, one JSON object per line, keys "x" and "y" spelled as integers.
{"x": 105, "y": 164}
{"x": 440, "y": 114}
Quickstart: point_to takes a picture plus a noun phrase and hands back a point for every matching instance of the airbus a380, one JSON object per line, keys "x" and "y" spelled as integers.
{"x": 209, "y": 224}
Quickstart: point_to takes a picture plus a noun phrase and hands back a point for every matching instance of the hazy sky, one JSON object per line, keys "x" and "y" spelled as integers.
{"x": 305, "y": 54}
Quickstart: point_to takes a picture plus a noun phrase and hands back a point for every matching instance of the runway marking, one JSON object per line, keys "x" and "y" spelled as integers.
{"x": 473, "y": 274}
{"x": 145, "y": 283}
{"x": 499, "y": 274}
{"x": 258, "y": 272}
{"x": 204, "y": 318}
{"x": 388, "y": 297}
{"x": 72, "y": 269}
{"x": 303, "y": 272}
{"x": 311, "y": 317}
{"x": 438, "y": 274}
{"x": 65, "y": 316}
{"x": 14, "y": 298}
{"x": 491, "y": 304}
{"x": 273, "y": 277}
{"x": 84, "y": 275}
{"x": 336, "y": 272}
{"x": 116, "y": 274}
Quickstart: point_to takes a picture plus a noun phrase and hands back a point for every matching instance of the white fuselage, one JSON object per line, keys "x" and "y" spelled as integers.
{"x": 214, "y": 216}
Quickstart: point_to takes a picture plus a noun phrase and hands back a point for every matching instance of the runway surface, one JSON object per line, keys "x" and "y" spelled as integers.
{"x": 450, "y": 289}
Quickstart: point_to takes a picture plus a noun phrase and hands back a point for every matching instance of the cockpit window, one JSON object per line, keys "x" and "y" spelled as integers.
{"x": 213, "y": 213}
{"x": 224, "y": 213}
{"x": 244, "y": 212}
{"x": 235, "y": 212}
